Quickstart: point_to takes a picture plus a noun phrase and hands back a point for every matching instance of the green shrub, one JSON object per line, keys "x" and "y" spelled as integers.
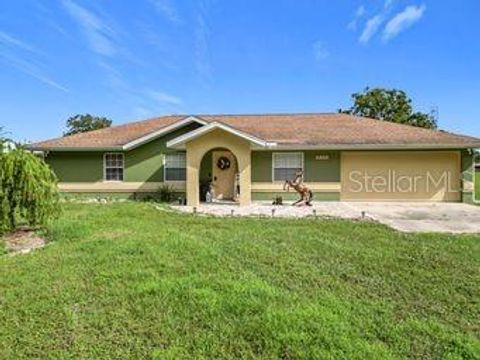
{"x": 147, "y": 198}
{"x": 28, "y": 190}
{"x": 166, "y": 193}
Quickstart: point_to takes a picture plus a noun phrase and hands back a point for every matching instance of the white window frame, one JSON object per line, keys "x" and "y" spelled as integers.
{"x": 165, "y": 167}
{"x": 105, "y": 166}
{"x": 275, "y": 154}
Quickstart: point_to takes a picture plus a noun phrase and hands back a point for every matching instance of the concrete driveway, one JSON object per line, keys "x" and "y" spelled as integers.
{"x": 405, "y": 216}
{"x": 423, "y": 217}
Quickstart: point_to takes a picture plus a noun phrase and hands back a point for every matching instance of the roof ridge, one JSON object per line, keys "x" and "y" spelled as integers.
{"x": 149, "y": 119}
{"x": 269, "y": 114}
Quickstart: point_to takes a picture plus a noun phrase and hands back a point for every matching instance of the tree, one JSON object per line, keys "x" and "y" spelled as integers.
{"x": 3, "y": 137}
{"x": 4, "y": 140}
{"x": 28, "y": 190}
{"x": 389, "y": 105}
{"x": 83, "y": 123}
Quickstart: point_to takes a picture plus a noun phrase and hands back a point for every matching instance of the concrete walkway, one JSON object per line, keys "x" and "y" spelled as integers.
{"x": 425, "y": 217}
{"x": 407, "y": 217}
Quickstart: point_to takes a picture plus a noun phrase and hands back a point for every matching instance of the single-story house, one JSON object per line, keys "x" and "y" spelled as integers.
{"x": 249, "y": 157}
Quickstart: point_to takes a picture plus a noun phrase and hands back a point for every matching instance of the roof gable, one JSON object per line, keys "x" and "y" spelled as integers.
{"x": 120, "y": 137}
{"x": 180, "y": 141}
{"x": 163, "y": 131}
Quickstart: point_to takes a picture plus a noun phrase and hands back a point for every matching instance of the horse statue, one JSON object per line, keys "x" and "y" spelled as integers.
{"x": 306, "y": 195}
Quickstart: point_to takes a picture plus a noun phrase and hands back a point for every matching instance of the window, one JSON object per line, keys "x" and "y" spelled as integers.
{"x": 175, "y": 167}
{"x": 286, "y": 165}
{"x": 113, "y": 167}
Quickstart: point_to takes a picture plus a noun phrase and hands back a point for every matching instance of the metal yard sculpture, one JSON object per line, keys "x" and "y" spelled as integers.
{"x": 305, "y": 193}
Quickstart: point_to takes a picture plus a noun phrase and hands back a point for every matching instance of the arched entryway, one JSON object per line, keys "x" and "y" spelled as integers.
{"x": 218, "y": 139}
{"x": 219, "y": 176}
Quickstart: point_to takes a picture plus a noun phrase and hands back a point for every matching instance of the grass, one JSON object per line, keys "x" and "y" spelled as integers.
{"x": 126, "y": 280}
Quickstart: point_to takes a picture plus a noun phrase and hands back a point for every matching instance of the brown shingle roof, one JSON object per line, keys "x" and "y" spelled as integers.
{"x": 112, "y": 137}
{"x": 284, "y": 129}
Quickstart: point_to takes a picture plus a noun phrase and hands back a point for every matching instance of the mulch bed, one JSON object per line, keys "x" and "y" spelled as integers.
{"x": 23, "y": 241}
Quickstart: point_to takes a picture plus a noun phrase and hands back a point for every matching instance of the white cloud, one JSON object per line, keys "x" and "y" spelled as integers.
{"x": 352, "y": 25}
{"x": 166, "y": 9}
{"x": 360, "y": 11}
{"x": 99, "y": 35}
{"x": 320, "y": 51}
{"x": 371, "y": 28}
{"x": 29, "y": 68}
{"x": 24, "y": 57}
{"x": 388, "y": 3}
{"x": 403, "y": 20}
{"x": 163, "y": 97}
{"x": 113, "y": 78}
{"x": 142, "y": 112}
{"x": 8, "y": 39}
{"x": 47, "y": 16}
{"x": 202, "y": 51}
{"x": 44, "y": 79}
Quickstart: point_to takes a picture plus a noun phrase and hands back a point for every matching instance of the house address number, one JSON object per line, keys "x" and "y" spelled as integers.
{"x": 322, "y": 157}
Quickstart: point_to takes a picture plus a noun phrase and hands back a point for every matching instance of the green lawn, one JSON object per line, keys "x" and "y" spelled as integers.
{"x": 126, "y": 280}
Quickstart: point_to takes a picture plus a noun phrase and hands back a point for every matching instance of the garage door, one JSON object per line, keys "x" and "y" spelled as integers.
{"x": 401, "y": 176}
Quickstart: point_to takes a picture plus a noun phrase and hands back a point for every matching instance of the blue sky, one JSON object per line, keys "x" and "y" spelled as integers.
{"x": 137, "y": 59}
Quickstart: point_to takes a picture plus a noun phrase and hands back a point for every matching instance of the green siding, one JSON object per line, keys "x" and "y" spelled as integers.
{"x": 467, "y": 174}
{"x": 468, "y": 198}
{"x": 322, "y": 170}
{"x": 76, "y": 166}
{"x": 145, "y": 163}
{"x": 477, "y": 186}
{"x": 315, "y": 170}
{"x": 261, "y": 166}
{"x": 142, "y": 164}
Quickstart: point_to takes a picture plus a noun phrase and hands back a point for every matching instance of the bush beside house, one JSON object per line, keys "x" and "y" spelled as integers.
{"x": 28, "y": 190}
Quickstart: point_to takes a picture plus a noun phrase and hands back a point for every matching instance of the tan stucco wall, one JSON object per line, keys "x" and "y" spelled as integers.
{"x": 118, "y": 186}
{"x": 275, "y": 187}
{"x": 400, "y": 171}
{"x": 197, "y": 148}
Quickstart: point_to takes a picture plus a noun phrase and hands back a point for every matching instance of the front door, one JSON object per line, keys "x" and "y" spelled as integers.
{"x": 223, "y": 174}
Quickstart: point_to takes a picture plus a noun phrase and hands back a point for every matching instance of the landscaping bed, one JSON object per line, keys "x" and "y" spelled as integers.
{"x": 22, "y": 241}
{"x": 127, "y": 280}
